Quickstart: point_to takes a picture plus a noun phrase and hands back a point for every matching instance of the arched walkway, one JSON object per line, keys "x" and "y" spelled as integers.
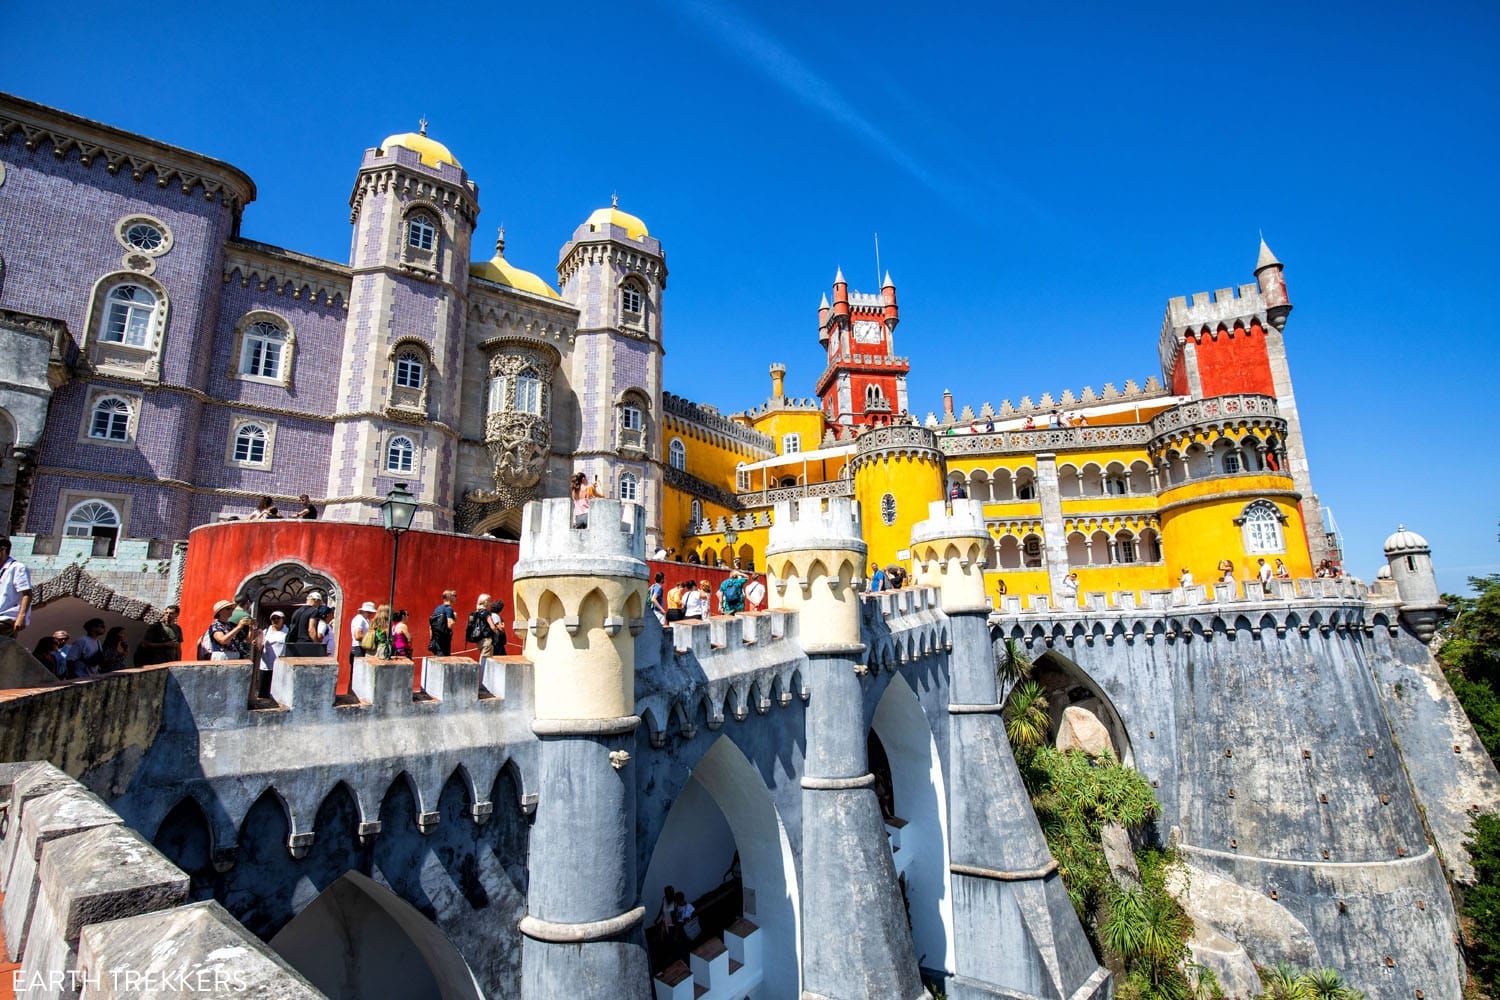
{"x": 1068, "y": 685}
{"x": 920, "y": 798}
{"x": 726, "y": 808}
{"x": 359, "y": 939}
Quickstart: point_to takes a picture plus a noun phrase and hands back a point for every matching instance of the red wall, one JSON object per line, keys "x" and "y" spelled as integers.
{"x": 1235, "y": 362}
{"x": 357, "y": 558}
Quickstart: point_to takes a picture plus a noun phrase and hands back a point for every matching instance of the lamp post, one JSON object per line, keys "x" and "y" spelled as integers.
{"x": 396, "y": 514}
{"x": 730, "y": 537}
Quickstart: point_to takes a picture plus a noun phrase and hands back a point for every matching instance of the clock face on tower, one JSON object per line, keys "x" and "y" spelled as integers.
{"x": 867, "y": 332}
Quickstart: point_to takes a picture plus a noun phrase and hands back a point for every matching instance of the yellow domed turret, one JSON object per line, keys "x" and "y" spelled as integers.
{"x": 612, "y": 216}
{"x": 502, "y": 272}
{"x": 431, "y": 151}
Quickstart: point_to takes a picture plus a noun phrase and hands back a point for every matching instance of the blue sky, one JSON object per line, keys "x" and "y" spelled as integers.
{"x": 1041, "y": 183}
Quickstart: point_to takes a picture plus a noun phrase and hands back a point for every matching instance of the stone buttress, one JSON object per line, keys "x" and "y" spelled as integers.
{"x": 1015, "y": 931}
{"x": 816, "y": 560}
{"x": 580, "y": 595}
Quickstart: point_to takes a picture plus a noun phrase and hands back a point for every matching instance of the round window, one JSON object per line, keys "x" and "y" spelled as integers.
{"x": 144, "y": 237}
{"x": 888, "y": 509}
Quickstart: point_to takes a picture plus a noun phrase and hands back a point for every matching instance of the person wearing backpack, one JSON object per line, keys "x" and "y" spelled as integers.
{"x": 440, "y": 625}
{"x": 480, "y": 630}
{"x": 732, "y": 593}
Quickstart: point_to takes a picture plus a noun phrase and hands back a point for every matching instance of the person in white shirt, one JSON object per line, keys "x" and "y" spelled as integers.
{"x": 1070, "y": 587}
{"x": 358, "y": 626}
{"x": 273, "y": 648}
{"x": 15, "y": 592}
{"x": 1264, "y": 575}
{"x": 695, "y": 603}
{"x": 755, "y": 594}
{"x": 1186, "y": 579}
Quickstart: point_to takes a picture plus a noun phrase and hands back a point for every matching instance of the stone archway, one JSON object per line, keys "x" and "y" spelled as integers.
{"x": 1068, "y": 686}
{"x": 283, "y": 587}
{"x": 724, "y": 811}
{"x": 919, "y": 797}
{"x": 359, "y": 939}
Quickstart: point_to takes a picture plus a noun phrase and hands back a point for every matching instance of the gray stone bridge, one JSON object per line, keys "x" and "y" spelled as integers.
{"x": 832, "y": 783}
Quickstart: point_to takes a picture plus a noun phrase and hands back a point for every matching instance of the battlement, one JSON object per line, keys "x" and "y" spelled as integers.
{"x": 785, "y": 404}
{"x": 1133, "y": 392}
{"x": 711, "y": 420}
{"x": 951, "y": 519}
{"x": 612, "y": 543}
{"x": 1226, "y": 307}
{"x": 816, "y": 523}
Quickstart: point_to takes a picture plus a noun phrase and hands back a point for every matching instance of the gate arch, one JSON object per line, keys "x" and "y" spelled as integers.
{"x": 726, "y": 788}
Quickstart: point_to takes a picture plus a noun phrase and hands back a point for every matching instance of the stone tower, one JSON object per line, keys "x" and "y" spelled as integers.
{"x": 1410, "y": 560}
{"x": 816, "y": 560}
{"x": 615, "y": 272}
{"x": 864, "y": 383}
{"x": 898, "y": 470}
{"x": 413, "y": 210}
{"x": 580, "y": 596}
{"x": 1015, "y": 933}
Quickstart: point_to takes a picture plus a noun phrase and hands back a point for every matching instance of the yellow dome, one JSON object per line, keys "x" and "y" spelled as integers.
{"x": 431, "y": 151}
{"x": 612, "y": 216}
{"x": 502, "y": 272}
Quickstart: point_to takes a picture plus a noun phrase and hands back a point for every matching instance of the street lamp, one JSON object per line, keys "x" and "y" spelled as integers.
{"x": 396, "y": 514}
{"x": 730, "y": 537}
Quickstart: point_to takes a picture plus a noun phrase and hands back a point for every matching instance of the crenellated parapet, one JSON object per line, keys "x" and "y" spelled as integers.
{"x": 816, "y": 558}
{"x": 948, "y": 549}
{"x": 579, "y": 599}
{"x": 904, "y": 626}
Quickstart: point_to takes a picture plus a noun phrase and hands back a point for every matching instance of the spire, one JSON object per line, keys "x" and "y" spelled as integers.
{"x": 888, "y": 283}
{"x": 422, "y": 125}
{"x": 824, "y": 303}
{"x": 614, "y": 199}
{"x": 1266, "y": 258}
{"x": 500, "y": 242}
{"x": 838, "y": 278}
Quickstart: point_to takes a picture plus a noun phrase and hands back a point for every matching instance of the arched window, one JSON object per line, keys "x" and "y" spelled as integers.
{"x": 677, "y": 455}
{"x": 632, "y": 302}
{"x": 528, "y": 392}
{"x": 1125, "y": 547}
{"x": 630, "y": 488}
{"x": 791, "y": 443}
{"x": 263, "y": 351}
{"x": 421, "y": 232}
{"x": 695, "y": 509}
{"x": 128, "y": 318}
{"x": 410, "y": 369}
{"x": 97, "y": 520}
{"x": 741, "y": 477}
{"x": 1261, "y": 527}
{"x": 873, "y": 395}
{"x": 1031, "y": 552}
{"x": 400, "y": 455}
{"x": 111, "y": 420}
{"x": 250, "y": 444}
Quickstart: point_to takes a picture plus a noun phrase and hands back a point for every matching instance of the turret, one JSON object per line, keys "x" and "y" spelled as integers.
{"x": 888, "y": 296}
{"x": 823, "y": 311}
{"x": 897, "y": 471}
{"x": 816, "y": 561}
{"x": 1268, "y": 272}
{"x": 580, "y": 596}
{"x": 949, "y": 551}
{"x": 841, "y": 298}
{"x": 778, "y": 381}
{"x": 1409, "y": 558}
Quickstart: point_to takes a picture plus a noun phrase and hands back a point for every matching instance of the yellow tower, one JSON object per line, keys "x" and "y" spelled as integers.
{"x": 898, "y": 471}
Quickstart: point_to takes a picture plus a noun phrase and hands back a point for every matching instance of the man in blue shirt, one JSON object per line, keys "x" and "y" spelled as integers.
{"x": 877, "y": 580}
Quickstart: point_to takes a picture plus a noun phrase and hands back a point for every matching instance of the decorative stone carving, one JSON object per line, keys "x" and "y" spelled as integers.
{"x": 518, "y": 433}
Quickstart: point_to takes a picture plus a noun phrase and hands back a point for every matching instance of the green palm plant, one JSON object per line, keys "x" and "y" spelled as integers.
{"x": 1326, "y": 984}
{"x": 1013, "y": 665}
{"x": 1026, "y": 718}
{"x": 1283, "y": 982}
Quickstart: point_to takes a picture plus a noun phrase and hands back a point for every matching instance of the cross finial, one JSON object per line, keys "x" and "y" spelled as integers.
{"x": 422, "y": 125}
{"x": 614, "y": 200}
{"x": 500, "y": 240}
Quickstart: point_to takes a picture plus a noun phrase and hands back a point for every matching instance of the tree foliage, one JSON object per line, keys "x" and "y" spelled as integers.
{"x": 1481, "y": 901}
{"x": 1470, "y": 656}
{"x": 1285, "y": 982}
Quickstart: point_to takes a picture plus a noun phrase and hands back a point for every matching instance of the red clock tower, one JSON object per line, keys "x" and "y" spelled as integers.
{"x": 864, "y": 384}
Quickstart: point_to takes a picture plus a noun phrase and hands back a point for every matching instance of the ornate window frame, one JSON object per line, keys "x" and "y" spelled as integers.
{"x": 1258, "y": 517}
{"x": 268, "y": 427}
{"x": 640, "y": 317}
{"x": 629, "y": 487}
{"x": 418, "y": 257}
{"x": 128, "y": 222}
{"x": 888, "y": 509}
{"x": 633, "y": 439}
{"x": 404, "y": 397}
{"x": 98, "y": 394}
{"x": 122, "y": 359}
{"x": 416, "y": 453}
{"x": 69, "y": 500}
{"x": 288, "y": 354}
